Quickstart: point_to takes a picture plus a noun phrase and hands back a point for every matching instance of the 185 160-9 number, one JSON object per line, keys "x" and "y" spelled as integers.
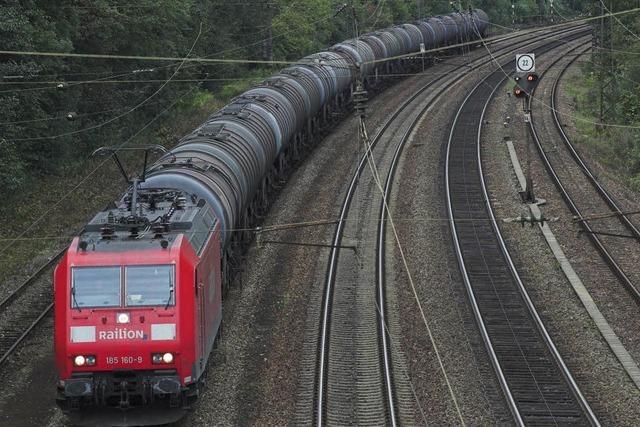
{"x": 123, "y": 360}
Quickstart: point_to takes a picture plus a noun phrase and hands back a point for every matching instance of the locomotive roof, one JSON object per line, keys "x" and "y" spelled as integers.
{"x": 160, "y": 214}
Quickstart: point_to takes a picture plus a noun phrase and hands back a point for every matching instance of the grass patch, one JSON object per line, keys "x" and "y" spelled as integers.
{"x": 616, "y": 148}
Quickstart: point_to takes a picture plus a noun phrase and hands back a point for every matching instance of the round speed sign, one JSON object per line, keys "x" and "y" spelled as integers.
{"x": 525, "y": 63}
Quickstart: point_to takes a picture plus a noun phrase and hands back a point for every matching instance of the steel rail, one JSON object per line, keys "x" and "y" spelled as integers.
{"x": 597, "y": 242}
{"x": 32, "y": 316}
{"x": 608, "y": 198}
{"x": 333, "y": 258}
{"x": 26, "y": 332}
{"x": 381, "y": 237}
{"x": 489, "y": 298}
{"x": 25, "y": 285}
{"x": 472, "y": 299}
{"x": 334, "y": 254}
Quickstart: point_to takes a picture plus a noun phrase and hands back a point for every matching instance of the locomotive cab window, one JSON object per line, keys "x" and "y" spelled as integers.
{"x": 149, "y": 285}
{"x": 95, "y": 287}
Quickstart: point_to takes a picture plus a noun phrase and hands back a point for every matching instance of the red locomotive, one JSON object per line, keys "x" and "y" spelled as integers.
{"x": 138, "y": 294}
{"x": 138, "y": 304}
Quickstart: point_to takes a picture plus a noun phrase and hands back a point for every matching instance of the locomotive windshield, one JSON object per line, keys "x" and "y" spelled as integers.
{"x": 96, "y": 287}
{"x": 149, "y": 285}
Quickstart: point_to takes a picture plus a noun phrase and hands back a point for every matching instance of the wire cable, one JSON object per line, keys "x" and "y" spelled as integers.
{"x": 86, "y": 178}
{"x": 186, "y": 67}
{"x": 113, "y": 119}
{"x": 619, "y": 21}
{"x": 378, "y": 182}
{"x": 543, "y": 104}
{"x": 494, "y": 38}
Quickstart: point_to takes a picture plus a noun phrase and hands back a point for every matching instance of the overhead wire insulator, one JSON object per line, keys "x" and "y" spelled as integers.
{"x": 359, "y": 99}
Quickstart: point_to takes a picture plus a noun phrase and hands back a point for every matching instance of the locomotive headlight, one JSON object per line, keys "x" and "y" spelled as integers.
{"x": 82, "y": 360}
{"x": 123, "y": 318}
{"x": 79, "y": 360}
{"x": 159, "y": 358}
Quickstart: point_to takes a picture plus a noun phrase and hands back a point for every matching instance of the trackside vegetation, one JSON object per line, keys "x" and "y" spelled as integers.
{"x": 55, "y": 111}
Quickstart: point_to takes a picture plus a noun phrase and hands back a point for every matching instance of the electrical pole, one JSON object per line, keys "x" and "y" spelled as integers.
{"x": 528, "y": 196}
{"x": 526, "y": 82}
{"x": 541, "y": 11}
{"x": 267, "y": 45}
{"x": 606, "y": 67}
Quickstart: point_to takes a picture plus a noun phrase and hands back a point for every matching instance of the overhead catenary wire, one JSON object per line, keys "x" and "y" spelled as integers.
{"x": 257, "y": 61}
{"x": 183, "y": 63}
{"x": 324, "y": 222}
{"x": 549, "y": 107}
{"x": 619, "y": 21}
{"x": 113, "y": 119}
{"x": 221, "y": 52}
{"x": 93, "y": 171}
{"x": 494, "y": 38}
{"x": 63, "y": 116}
{"x": 630, "y": 80}
{"x": 186, "y": 67}
{"x": 149, "y": 123}
{"x": 155, "y": 5}
{"x": 207, "y": 59}
{"x": 106, "y": 78}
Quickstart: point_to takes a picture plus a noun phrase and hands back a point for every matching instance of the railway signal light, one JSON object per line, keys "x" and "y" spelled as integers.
{"x": 518, "y": 92}
{"x": 525, "y": 85}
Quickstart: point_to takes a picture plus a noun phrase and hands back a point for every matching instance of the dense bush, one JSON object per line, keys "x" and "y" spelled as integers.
{"x": 35, "y": 138}
{"x": 616, "y": 140}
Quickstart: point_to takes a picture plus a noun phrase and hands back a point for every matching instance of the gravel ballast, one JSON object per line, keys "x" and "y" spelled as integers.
{"x": 598, "y": 373}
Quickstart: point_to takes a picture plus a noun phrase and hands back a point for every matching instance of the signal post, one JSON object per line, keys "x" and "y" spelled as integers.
{"x": 526, "y": 81}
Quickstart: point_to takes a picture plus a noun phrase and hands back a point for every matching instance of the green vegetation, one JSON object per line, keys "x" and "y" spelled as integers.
{"x": 614, "y": 138}
{"x": 112, "y": 99}
{"x": 45, "y": 173}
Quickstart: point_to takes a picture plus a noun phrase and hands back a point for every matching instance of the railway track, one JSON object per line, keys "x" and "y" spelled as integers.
{"x": 25, "y": 307}
{"x": 538, "y": 387}
{"x": 16, "y": 322}
{"x": 347, "y": 341}
{"x": 585, "y": 196}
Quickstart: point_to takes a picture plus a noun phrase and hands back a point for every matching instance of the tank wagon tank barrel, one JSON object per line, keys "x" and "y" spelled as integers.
{"x": 138, "y": 295}
{"x": 226, "y": 158}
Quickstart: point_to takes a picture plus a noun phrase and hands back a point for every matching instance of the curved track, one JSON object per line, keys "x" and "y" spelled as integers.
{"x": 16, "y": 323}
{"x": 569, "y": 184}
{"x": 409, "y": 113}
{"x": 23, "y": 309}
{"x": 537, "y": 385}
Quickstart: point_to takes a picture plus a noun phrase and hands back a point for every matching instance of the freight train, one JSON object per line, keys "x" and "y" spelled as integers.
{"x": 138, "y": 294}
